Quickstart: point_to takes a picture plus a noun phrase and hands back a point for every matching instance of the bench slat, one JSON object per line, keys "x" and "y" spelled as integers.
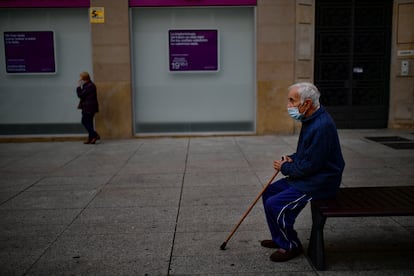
{"x": 369, "y": 201}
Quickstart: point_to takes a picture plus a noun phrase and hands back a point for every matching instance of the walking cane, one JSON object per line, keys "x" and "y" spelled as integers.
{"x": 223, "y": 246}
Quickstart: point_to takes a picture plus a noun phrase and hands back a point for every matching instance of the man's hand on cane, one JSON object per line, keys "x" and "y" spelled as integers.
{"x": 277, "y": 164}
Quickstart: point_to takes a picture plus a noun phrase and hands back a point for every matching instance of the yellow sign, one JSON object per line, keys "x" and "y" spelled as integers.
{"x": 97, "y": 14}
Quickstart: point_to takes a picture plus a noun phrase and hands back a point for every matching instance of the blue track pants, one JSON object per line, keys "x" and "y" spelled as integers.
{"x": 282, "y": 204}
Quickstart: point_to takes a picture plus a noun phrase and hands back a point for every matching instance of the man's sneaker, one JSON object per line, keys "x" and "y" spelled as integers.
{"x": 269, "y": 244}
{"x": 282, "y": 255}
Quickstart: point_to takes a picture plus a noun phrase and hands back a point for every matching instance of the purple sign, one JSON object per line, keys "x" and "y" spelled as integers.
{"x": 29, "y": 52}
{"x": 193, "y": 50}
{"x": 178, "y": 3}
{"x": 132, "y": 3}
{"x": 43, "y": 3}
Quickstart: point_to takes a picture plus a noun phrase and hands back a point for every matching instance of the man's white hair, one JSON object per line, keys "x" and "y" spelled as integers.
{"x": 307, "y": 90}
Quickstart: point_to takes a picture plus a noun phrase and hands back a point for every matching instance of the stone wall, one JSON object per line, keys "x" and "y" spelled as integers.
{"x": 402, "y": 86}
{"x": 285, "y": 41}
{"x": 111, "y": 68}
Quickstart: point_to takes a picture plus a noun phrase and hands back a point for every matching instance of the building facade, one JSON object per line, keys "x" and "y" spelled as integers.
{"x": 179, "y": 67}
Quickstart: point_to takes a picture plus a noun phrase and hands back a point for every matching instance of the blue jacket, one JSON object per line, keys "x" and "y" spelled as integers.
{"x": 317, "y": 163}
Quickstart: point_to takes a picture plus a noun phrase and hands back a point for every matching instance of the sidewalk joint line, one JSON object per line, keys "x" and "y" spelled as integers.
{"x": 179, "y": 206}
{"x": 248, "y": 162}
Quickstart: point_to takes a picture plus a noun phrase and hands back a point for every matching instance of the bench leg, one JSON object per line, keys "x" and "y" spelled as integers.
{"x": 316, "y": 249}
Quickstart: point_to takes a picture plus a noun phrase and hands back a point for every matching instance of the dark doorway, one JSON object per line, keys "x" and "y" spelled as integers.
{"x": 352, "y": 60}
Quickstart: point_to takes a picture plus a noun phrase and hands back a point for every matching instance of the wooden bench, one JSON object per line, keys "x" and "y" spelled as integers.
{"x": 356, "y": 202}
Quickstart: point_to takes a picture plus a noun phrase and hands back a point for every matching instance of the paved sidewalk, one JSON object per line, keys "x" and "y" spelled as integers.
{"x": 164, "y": 206}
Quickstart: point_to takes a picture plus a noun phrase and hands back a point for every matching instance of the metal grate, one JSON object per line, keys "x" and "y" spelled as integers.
{"x": 381, "y": 139}
{"x": 395, "y": 142}
{"x": 401, "y": 146}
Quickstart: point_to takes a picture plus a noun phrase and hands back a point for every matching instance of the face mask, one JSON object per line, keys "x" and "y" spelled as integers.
{"x": 294, "y": 113}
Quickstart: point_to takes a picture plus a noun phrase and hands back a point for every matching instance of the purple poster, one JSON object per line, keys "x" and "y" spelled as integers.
{"x": 193, "y": 50}
{"x": 30, "y": 52}
{"x": 44, "y": 3}
{"x": 178, "y": 3}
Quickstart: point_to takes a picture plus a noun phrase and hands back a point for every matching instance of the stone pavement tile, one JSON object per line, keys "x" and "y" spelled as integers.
{"x": 200, "y": 197}
{"x": 150, "y": 166}
{"x": 204, "y": 243}
{"x": 146, "y": 180}
{"x": 362, "y": 177}
{"x": 158, "y": 156}
{"x": 41, "y": 158}
{"x": 285, "y": 143}
{"x": 219, "y": 196}
{"x": 217, "y": 162}
{"x": 21, "y": 244}
{"x": 133, "y": 197}
{"x": 219, "y": 218}
{"x": 222, "y": 179}
{"x": 215, "y": 154}
{"x": 113, "y": 147}
{"x": 26, "y": 234}
{"x": 410, "y": 229}
{"x": 361, "y": 162}
{"x": 12, "y": 184}
{"x": 70, "y": 183}
{"x": 219, "y": 188}
{"x": 261, "y": 155}
{"x": 38, "y": 216}
{"x": 125, "y": 254}
{"x": 12, "y": 263}
{"x": 88, "y": 165}
{"x": 404, "y": 221}
{"x": 138, "y": 220}
{"x": 156, "y": 162}
{"x": 104, "y": 266}
{"x": 399, "y": 161}
{"x": 50, "y": 200}
{"x": 266, "y": 175}
{"x": 103, "y": 159}
{"x": 7, "y": 195}
{"x": 11, "y": 153}
{"x": 213, "y": 144}
{"x": 161, "y": 144}
{"x": 405, "y": 167}
{"x": 16, "y": 151}
{"x": 19, "y": 230}
{"x": 266, "y": 140}
{"x": 16, "y": 183}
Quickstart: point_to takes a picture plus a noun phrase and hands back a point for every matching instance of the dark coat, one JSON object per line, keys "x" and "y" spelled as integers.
{"x": 317, "y": 163}
{"x": 88, "y": 98}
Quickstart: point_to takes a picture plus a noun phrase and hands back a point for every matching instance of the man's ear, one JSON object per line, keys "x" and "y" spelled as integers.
{"x": 308, "y": 102}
